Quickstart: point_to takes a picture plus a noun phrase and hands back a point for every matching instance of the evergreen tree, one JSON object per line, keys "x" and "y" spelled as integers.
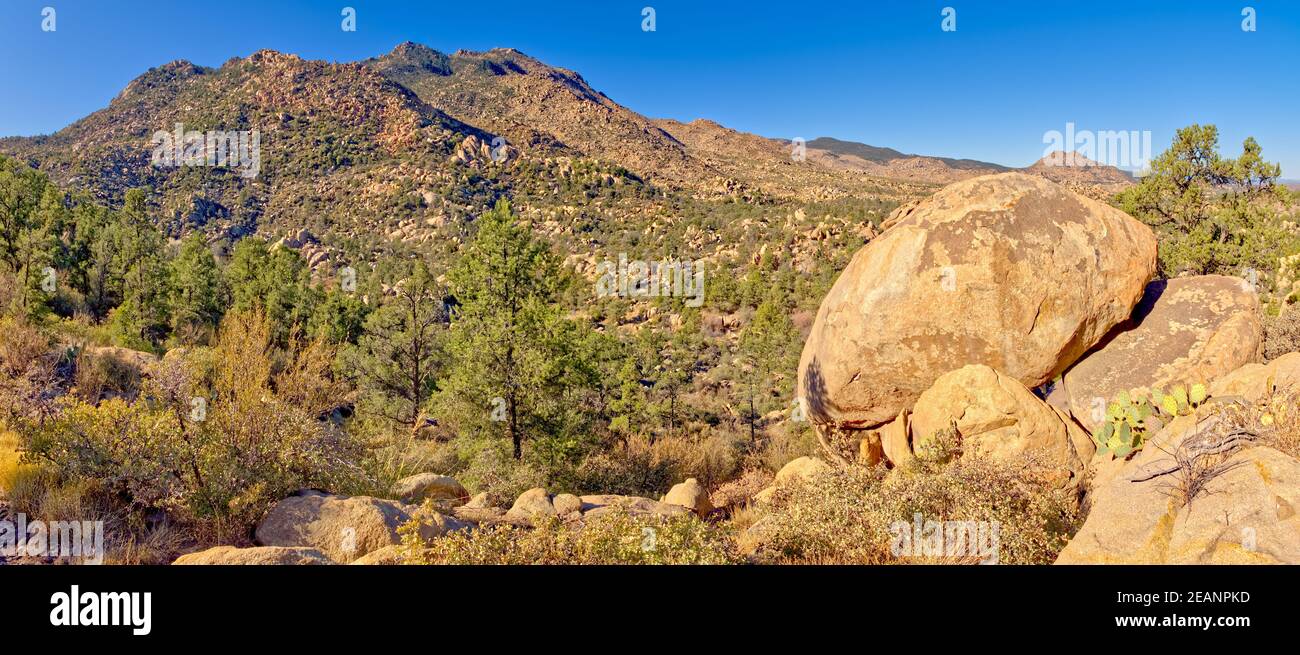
{"x": 197, "y": 302}
{"x": 503, "y": 336}
{"x": 398, "y": 356}
{"x": 275, "y": 280}
{"x": 768, "y": 352}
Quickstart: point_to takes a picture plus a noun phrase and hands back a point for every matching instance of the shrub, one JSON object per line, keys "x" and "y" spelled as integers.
{"x": 97, "y": 375}
{"x": 615, "y": 538}
{"x": 1281, "y": 334}
{"x": 849, "y": 515}
{"x": 214, "y": 440}
{"x": 494, "y": 471}
{"x": 634, "y": 469}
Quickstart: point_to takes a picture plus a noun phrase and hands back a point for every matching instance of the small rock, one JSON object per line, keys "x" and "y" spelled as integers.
{"x": 416, "y": 488}
{"x": 691, "y": 495}
{"x": 566, "y": 504}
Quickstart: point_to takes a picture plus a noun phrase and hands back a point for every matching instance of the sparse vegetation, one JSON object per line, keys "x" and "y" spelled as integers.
{"x": 614, "y": 538}
{"x": 845, "y": 516}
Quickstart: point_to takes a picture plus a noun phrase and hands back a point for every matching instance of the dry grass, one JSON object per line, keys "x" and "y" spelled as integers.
{"x": 850, "y": 515}
{"x": 1281, "y": 419}
{"x": 616, "y": 538}
{"x": 1281, "y": 334}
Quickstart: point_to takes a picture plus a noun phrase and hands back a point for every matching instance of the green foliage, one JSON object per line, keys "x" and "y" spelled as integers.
{"x": 1213, "y": 215}
{"x": 277, "y": 281}
{"x": 1130, "y": 421}
{"x": 216, "y": 438}
{"x": 855, "y": 515}
{"x": 511, "y": 344}
{"x": 198, "y": 295}
{"x": 398, "y": 356}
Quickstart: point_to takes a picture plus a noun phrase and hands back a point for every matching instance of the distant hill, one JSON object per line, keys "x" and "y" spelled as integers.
{"x": 405, "y": 145}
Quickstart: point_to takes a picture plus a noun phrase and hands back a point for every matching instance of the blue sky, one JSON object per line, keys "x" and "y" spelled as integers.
{"x": 879, "y": 72}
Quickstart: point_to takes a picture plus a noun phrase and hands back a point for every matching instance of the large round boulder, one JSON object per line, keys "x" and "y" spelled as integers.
{"x": 997, "y": 417}
{"x": 1009, "y": 270}
{"x": 691, "y": 495}
{"x": 417, "y": 488}
{"x": 1185, "y": 331}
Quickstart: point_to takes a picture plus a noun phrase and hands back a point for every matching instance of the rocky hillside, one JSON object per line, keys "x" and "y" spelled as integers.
{"x": 403, "y": 144}
{"x": 338, "y": 142}
{"x": 541, "y": 108}
{"x": 890, "y": 163}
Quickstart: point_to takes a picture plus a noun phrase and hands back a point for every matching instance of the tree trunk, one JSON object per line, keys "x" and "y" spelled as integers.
{"x": 515, "y": 437}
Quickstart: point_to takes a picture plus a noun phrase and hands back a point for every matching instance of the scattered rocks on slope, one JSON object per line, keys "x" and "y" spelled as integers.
{"x": 1184, "y": 331}
{"x": 602, "y": 504}
{"x": 1009, "y": 270}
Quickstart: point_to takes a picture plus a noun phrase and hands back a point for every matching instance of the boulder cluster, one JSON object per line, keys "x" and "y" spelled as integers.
{"x": 313, "y": 527}
{"x": 1009, "y": 312}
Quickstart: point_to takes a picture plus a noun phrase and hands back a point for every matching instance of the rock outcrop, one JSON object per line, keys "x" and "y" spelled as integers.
{"x": 417, "y": 488}
{"x": 1246, "y": 514}
{"x": 255, "y": 556}
{"x": 1010, "y": 271}
{"x": 1257, "y": 382}
{"x": 691, "y": 495}
{"x": 795, "y": 471}
{"x": 602, "y": 504}
{"x": 1186, "y": 330}
{"x": 532, "y": 504}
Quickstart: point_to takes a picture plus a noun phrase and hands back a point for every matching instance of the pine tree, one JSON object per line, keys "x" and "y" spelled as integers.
{"x": 504, "y": 335}
{"x": 398, "y": 356}
{"x": 197, "y": 296}
{"x": 768, "y": 349}
{"x": 275, "y": 280}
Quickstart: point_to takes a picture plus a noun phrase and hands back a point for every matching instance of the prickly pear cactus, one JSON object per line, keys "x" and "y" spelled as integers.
{"x": 1129, "y": 421}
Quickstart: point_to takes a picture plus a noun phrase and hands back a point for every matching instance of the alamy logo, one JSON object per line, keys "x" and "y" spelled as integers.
{"x": 72, "y": 540}
{"x": 961, "y": 539}
{"x": 74, "y": 608}
{"x": 642, "y": 279}
{"x": 216, "y": 148}
{"x": 1119, "y": 148}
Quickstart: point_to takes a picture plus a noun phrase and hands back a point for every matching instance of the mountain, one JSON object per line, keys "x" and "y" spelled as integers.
{"x": 539, "y": 108}
{"x": 1077, "y": 172}
{"x": 406, "y": 146}
{"x": 335, "y": 140}
{"x": 768, "y": 165}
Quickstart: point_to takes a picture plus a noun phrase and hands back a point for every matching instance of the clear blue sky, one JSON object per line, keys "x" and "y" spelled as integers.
{"x": 873, "y": 71}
